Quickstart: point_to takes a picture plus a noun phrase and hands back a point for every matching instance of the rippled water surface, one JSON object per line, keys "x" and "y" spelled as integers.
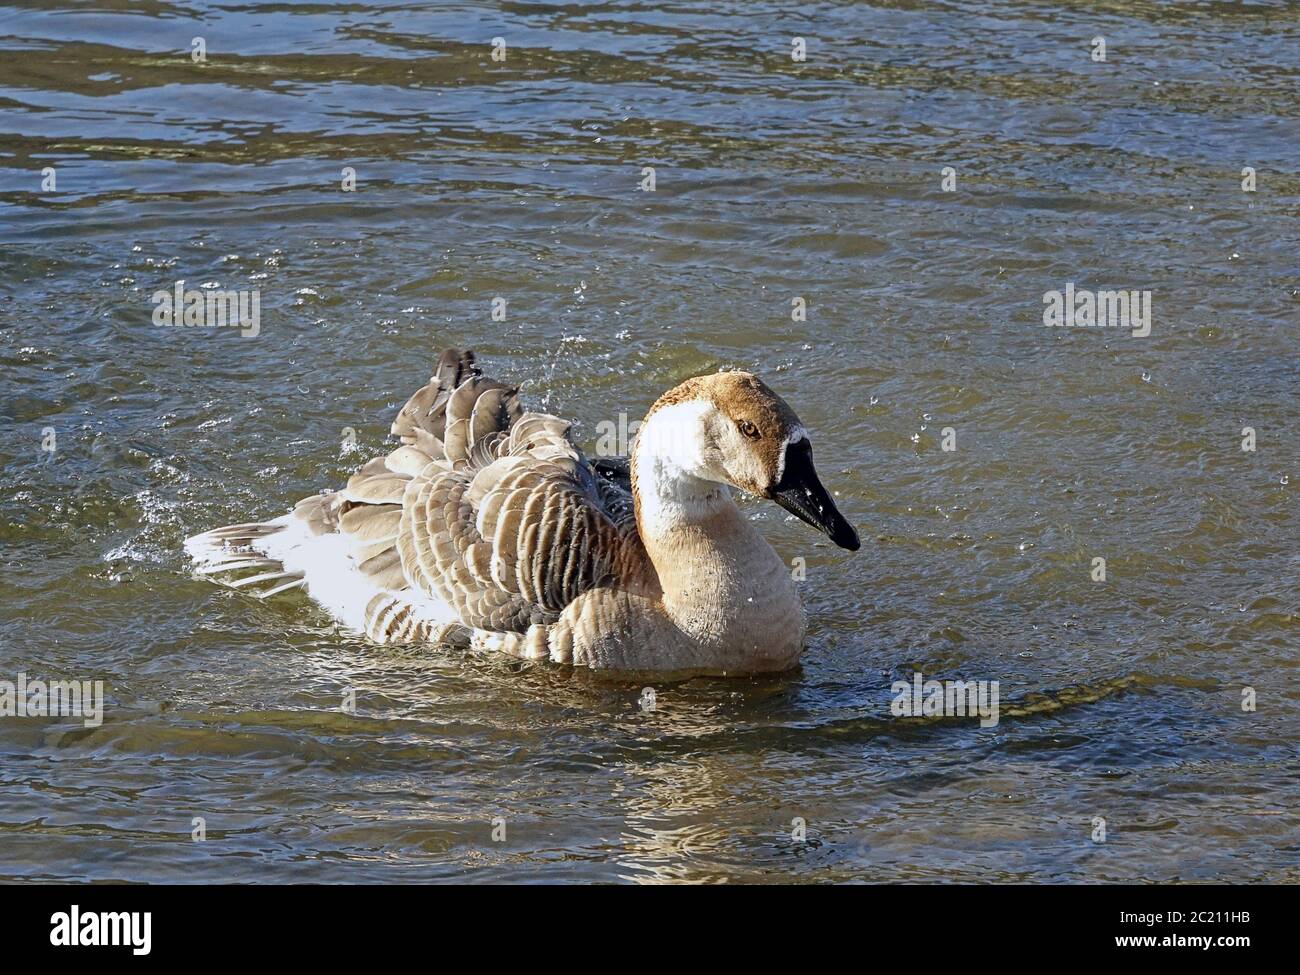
{"x": 775, "y": 179}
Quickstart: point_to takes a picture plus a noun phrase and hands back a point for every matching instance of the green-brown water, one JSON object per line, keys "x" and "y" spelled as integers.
{"x": 774, "y": 179}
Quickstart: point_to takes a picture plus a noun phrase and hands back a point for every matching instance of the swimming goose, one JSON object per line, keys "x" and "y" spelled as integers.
{"x": 487, "y": 527}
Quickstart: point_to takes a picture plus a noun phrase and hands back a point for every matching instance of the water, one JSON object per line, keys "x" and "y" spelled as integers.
{"x": 774, "y": 180}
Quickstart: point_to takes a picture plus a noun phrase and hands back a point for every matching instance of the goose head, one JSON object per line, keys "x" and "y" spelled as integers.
{"x": 730, "y": 428}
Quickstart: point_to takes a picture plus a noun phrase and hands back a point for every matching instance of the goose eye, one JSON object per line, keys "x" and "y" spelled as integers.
{"x": 748, "y": 429}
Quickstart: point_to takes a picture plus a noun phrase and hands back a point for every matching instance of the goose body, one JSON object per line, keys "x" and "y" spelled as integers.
{"x": 488, "y": 527}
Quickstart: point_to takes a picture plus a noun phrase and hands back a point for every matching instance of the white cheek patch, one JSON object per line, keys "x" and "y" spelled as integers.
{"x": 676, "y": 438}
{"x": 797, "y": 433}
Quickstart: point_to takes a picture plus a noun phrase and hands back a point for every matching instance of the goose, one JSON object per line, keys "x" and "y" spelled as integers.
{"x": 488, "y": 528}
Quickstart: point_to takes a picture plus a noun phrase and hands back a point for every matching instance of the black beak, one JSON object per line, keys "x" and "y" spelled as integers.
{"x": 800, "y": 493}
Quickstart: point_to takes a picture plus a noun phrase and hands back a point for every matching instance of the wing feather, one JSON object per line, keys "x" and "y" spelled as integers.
{"x": 483, "y": 506}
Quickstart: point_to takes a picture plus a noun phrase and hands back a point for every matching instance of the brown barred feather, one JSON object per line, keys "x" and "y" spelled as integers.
{"x": 484, "y": 506}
